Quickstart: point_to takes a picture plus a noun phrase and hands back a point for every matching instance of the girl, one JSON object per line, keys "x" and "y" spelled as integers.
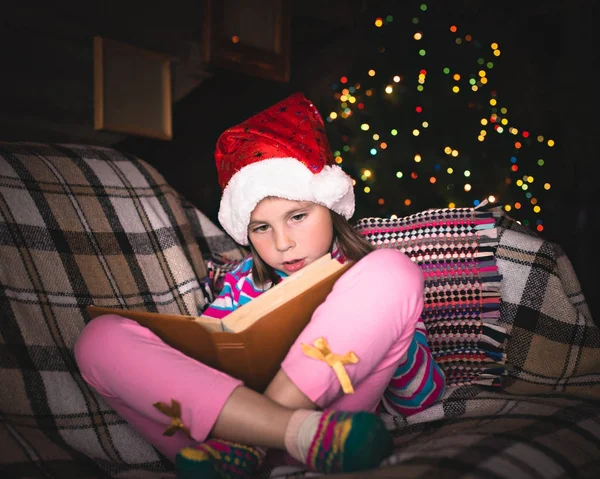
{"x": 284, "y": 197}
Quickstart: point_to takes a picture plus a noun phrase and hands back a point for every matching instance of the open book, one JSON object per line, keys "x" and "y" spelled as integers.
{"x": 251, "y": 342}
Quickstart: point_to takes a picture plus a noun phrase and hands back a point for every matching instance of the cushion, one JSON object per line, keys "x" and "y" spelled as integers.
{"x": 455, "y": 249}
{"x": 82, "y": 225}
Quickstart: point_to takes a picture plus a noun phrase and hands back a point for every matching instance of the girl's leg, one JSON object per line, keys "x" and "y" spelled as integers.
{"x": 133, "y": 369}
{"x": 372, "y": 310}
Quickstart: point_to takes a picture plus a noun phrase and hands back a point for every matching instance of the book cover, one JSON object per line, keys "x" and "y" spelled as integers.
{"x": 251, "y": 342}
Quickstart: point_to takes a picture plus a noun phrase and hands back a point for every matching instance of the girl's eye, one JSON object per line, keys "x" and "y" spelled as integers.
{"x": 299, "y": 217}
{"x": 260, "y": 229}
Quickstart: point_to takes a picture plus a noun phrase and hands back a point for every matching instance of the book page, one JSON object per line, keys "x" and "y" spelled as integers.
{"x": 281, "y": 293}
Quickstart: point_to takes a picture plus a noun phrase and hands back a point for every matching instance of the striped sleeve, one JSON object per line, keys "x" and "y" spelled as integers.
{"x": 418, "y": 381}
{"x": 238, "y": 289}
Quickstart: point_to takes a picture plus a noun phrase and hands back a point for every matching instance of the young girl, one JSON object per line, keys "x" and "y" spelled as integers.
{"x": 363, "y": 350}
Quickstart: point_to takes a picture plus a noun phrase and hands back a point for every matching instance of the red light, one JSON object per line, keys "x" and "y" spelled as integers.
{"x": 514, "y": 168}
{"x": 361, "y": 106}
{"x": 525, "y": 134}
{"x": 344, "y": 80}
{"x": 418, "y": 109}
{"x": 423, "y": 72}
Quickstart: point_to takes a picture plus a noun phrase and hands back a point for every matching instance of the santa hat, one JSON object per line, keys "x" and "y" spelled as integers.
{"x": 283, "y": 152}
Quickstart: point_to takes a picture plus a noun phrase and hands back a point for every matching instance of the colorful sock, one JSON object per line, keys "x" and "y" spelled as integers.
{"x": 339, "y": 441}
{"x": 217, "y": 459}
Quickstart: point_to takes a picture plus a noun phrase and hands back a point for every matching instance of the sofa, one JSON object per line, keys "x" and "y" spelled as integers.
{"x": 83, "y": 225}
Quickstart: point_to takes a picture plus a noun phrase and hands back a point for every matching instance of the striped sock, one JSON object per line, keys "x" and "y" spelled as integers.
{"x": 341, "y": 441}
{"x": 217, "y": 459}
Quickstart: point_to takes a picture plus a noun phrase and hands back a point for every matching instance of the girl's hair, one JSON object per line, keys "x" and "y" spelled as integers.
{"x": 352, "y": 245}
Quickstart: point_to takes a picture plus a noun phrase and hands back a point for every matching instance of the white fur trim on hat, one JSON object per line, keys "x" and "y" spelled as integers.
{"x": 284, "y": 178}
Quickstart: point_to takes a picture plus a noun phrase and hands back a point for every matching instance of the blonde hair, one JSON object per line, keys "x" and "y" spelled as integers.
{"x": 351, "y": 244}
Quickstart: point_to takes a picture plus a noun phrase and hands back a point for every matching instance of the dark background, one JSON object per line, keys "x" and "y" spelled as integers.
{"x": 547, "y": 77}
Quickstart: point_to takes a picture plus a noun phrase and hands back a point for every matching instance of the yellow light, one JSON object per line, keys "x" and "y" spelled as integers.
{"x": 492, "y": 199}
{"x": 530, "y": 179}
{"x": 483, "y": 132}
{"x": 397, "y": 79}
{"x": 503, "y": 110}
{"x": 417, "y": 158}
{"x": 333, "y": 115}
{"x": 451, "y": 205}
{"x": 474, "y": 88}
{"x": 519, "y": 182}
{"x": 447, "y": 150}
{"x": 467, "y": 173}
{"x": 536, "y": 209}
{"x": 389, "y": 89}
{"x": 416, "y": 132}
{"x": 364, "y": 127}
{"x": 481, "y": 73}
{"x": 508, "y": 208}
{"x": 484, "y": 80}
{"x": 367, "y": 173}
{"x": 550, "y": 143}
{"x": 371, "y": 73}
{"x": 418, "y": 36}
{"x": 494, "y": 46}
{"x": 367, "y": 189}
{"x": 378, "y": 22}
{"x": 540, "y": 138}
{"x": 338, "y": 159}
{"x": 547, "y": 186}
{"x": 425, "y": 124}
{"x": 481, "y": 138}
{"x": 399, "y": 174}
{"x": 497, "y": 53}
{"x": 467, "y": 187}
{"x": 352, "y": 99}
{"x": 450, "y": 171}
{"x": 493, "y": 102}
{"x": 455, "y": 89}
{"x": 376, "y": 137}
{"x": 484, "y": 121}
{"x": 454, "y": 153}
{"x": 504, "y": 121}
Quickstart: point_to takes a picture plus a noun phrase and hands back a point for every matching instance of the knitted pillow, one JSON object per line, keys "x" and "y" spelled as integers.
{"x": 455, "y": 250}
{"x": 81, "y": 225}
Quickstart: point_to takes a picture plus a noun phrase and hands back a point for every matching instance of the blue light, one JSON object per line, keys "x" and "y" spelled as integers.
{"x": 513, "y": 159}
{"x": 334, "y": 86}
{"x": 437, "y": 166}
{"x": 476, "y": 202}
{"x": 373, "y": 151}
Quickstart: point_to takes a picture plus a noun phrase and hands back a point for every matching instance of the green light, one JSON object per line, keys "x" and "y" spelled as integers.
{"x": 490, "y": 65}
{"x": 446, "y": 70}
{"x": 423, "y": 7}
{"x": 415, "y": 20}
{"x": 389, "y": 18}
{"x": 481, "y": 61}
{"x": 540, "y": 162}
{"x": 394, "y": 132}
{"x": 422, "y": 52}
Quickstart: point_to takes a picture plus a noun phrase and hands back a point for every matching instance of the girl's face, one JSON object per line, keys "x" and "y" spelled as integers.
{"x": 288, "y": 235}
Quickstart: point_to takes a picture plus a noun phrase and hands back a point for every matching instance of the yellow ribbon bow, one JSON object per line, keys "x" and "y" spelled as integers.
{"x": 321, "y": 352}
{"x": 174, "y": 412}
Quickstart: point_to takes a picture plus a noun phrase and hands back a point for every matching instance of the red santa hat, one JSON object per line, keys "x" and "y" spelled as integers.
{"x": 283, "y": 152}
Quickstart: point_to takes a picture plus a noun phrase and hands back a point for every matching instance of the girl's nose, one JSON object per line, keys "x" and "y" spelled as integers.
{"x": 283, "y": 241}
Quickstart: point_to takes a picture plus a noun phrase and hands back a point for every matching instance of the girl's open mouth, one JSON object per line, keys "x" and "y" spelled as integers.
{"x": 294, "y": 265}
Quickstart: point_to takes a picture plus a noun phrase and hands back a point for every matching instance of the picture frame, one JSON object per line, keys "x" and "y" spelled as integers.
{"x": 232, "y": 41}
{"x": 132, "y": 90}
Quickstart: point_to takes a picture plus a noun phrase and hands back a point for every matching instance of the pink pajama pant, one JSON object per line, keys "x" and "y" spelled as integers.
{"x": 372, "y": 310}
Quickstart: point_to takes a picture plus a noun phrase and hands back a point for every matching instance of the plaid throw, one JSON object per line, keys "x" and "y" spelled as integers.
{"x": 455, "y": 250}
{"x": 84, "y": 224}
{"x": 555, "y": 344}
{"x": 78, "y": 226}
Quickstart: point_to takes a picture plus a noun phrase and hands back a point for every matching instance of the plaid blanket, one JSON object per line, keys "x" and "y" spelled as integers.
{"x": 83, "y": 224}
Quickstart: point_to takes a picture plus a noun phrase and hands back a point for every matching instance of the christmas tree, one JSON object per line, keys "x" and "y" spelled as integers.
{"x": 421, "y": 122}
